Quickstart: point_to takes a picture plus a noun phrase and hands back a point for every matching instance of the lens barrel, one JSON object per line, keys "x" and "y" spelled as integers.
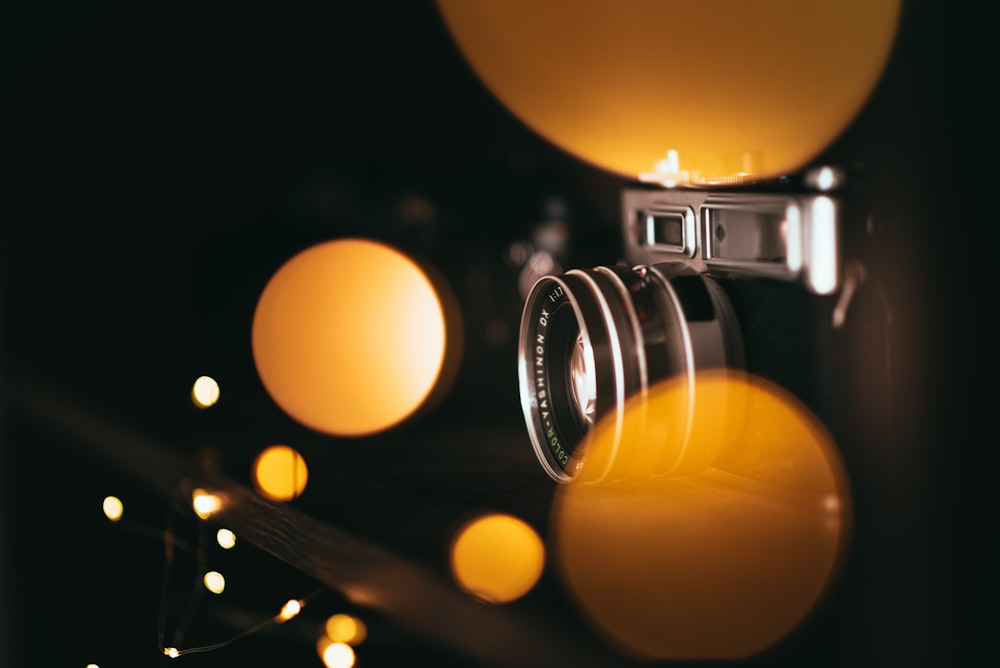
{"x": 591, "y": 338}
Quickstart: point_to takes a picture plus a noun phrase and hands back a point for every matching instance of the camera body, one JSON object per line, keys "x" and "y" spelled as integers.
{"x": 788, "y": 280}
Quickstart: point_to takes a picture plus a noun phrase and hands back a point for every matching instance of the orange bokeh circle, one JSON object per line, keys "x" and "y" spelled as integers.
{"x": 739, "y": 90}
{"x": 349, "y": 337}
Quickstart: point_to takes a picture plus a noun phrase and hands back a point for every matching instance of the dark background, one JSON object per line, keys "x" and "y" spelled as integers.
{"x": 160, "y": 163}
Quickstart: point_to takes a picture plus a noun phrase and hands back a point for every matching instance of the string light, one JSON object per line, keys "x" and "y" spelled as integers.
{"x": 113, "y": 508}
{"x": 205, "y": 392}
{"x": 225, "y": 538}
{"x": 291, "y": 609}
{"x": 204, "y": 503}
{"x": 214, "y": 582}
{"x": 284, "y": 615}
{"x": 338, "y": 655}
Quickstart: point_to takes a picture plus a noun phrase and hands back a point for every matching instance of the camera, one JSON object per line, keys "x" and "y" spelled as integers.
{"x": 786, "y": 280}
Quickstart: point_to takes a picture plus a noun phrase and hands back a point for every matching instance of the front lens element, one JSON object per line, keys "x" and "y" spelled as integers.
{"x": 582, "y": 380}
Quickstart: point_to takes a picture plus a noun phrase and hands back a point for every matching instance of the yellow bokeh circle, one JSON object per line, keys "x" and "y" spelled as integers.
{"x": 280, "y": 473}
{"x": 738, "y": 90}
{"x": 345, "y": 628}
{"x": 349, "y": 337}
{"x": 497, "y": 558}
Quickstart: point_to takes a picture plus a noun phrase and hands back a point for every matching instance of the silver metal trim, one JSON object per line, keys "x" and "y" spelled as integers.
{"x": 525, "y": 379}
{"x": 809, "y": 232}
{"x": 614, "y": 342}
{"x": 689, "y": 364}
{"x": 688, "y": 227}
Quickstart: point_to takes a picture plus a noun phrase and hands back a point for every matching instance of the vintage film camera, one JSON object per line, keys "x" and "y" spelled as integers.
{"x": 789, "y": 280}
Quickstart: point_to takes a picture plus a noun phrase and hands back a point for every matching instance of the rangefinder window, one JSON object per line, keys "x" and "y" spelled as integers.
{"x": 667, "y": 230}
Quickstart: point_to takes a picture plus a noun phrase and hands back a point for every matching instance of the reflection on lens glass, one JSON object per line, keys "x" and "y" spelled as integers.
{"x": 582, "y": 381}
{"x": 349, "y": 337}
{"x": 712, "y": 546}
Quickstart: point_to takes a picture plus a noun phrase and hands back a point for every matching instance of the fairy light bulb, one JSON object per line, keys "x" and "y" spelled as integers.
{"x": 113, "y": 508}
{"x": 205, "y": 504}
{"x": 215, "y": 582}
{"x": 338, "y": 655}
{"x": 205, "y": 392}
{"x": 289, "y": 610}
{"x": 225, "y": 538}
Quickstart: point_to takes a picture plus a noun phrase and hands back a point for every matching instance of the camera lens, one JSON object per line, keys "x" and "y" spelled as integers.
{"x": 590, "y": 338}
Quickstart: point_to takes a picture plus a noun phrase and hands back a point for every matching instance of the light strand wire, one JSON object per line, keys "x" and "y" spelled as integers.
{"x": 170, "y": 543}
